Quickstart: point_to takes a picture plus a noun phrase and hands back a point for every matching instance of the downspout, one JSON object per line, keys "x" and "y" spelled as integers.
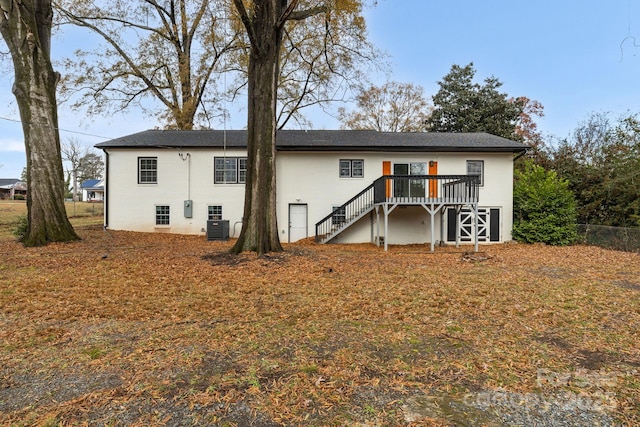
{"x": 106, "y": 189}
{"x": 522, "y": 153}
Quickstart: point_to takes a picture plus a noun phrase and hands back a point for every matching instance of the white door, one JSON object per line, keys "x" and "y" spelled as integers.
{"x": 297, "y": 222}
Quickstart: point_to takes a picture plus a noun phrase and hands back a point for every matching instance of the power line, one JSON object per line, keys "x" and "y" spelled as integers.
{"x": 61, "y": 129}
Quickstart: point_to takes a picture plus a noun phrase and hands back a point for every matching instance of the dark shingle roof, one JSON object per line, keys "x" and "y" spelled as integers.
{"x": 321, "y": 140}
{"x": 8, "y": 181}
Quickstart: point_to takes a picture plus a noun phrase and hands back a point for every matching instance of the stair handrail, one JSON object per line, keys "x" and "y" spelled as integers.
{"x": 344, "y": 206}
{"x": 379, "y": 189}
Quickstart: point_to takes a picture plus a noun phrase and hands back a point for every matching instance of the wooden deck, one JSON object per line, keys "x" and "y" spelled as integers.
{"x": 432, "y": 192}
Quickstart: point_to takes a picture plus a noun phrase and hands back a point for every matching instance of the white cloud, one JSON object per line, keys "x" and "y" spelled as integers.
{"x": 12, "y": 145}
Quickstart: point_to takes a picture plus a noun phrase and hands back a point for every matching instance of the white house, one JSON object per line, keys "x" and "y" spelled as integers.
{"x": 336, "y": 185}
{"x": 92, "y": 190}
{"x": 12, "y": 188}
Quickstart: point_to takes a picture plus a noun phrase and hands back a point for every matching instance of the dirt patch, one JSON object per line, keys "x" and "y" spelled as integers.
{"x": 626, "y": 284}
{"x": 43, "y": 389}
{"x": 229, "y": 259}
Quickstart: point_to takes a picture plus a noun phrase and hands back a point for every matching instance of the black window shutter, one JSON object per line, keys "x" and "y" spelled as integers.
{"x": 452, "y": 225}
{"x": 494, "y": 223}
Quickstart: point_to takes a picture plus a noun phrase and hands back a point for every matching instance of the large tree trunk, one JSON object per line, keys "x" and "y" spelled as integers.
{"x": 259, "y": 224}
{"x": 264, "y": 27}
{"x": 26, "y": 28}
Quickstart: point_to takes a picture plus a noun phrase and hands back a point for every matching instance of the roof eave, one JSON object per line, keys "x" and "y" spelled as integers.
{"x": 444, "y": 149}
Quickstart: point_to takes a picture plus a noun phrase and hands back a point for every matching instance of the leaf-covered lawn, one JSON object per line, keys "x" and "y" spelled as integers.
{"x": 156, "y": 329}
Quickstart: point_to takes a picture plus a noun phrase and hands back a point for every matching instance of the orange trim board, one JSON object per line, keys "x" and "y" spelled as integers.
{"x": 386, "y": 170}
{"x": 433, "y": 183}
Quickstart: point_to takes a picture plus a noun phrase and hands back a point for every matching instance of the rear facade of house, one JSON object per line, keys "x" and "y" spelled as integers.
{"x": 337, "y": 186}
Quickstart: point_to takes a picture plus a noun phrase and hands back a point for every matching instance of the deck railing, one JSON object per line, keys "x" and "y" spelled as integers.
{"x": 344, "y": 215}
{"x": 402, "y": 189}
{"x": 417, "y": 189}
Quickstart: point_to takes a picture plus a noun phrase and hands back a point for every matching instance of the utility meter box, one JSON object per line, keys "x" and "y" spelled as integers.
{"x": 188, "y": 208}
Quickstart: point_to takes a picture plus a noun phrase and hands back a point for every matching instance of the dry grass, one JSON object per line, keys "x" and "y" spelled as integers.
{"x": 81, "y": 214}
{"x": 154, "y": 329}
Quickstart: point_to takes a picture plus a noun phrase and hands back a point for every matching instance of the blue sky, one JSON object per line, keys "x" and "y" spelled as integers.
{"x": 575, "y": 57}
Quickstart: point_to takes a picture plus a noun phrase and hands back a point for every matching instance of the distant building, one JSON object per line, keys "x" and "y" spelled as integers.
{"x": 92, "y": 190}
{"x": 12, "y": 187}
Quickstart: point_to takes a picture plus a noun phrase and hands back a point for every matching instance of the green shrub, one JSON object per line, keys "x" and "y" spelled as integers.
{"x": 22, "y": 225}
{"x": 543, "y": 206}
{"x": 19, "y": 197}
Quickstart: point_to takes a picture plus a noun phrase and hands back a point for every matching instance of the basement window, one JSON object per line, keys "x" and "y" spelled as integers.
{"x": 214, "y": 212}
{"x": 338, "y": 216}
{"x": 163, "y": 215}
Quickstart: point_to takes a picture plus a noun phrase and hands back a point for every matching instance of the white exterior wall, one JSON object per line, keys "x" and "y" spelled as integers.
{"x": 313, "y": 179}
{"x": 97, "y": 197}
{"x": 304, "y": 178}
{"x": 131, "y": 206}
{"x": 497, "y": 189}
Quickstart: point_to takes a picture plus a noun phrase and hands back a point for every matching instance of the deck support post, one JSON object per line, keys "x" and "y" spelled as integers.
{"x": 458, "y": 211}
{"x": 378, "y": 225}
{"x": 433, "y": 230}
{"x": 385, "y": 207}
{"x": 432, "y": 210}
{"x": 387, "y": 210}
{"x": 442, "y": 211}
{"x": 475, "y": 227}
{"x": 371, "y": 222}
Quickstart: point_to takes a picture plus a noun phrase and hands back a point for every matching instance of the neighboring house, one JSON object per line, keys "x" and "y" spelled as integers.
{"x": 92, "y": 190}
{"x": 336, "y": 185}
{"x": 10, "y": 188}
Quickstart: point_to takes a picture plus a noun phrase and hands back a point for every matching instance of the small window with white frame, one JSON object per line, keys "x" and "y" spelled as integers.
{"x": 338, "y": 216}
{"x": 214, "y": 212}
{"x": 476, "y": 167}
{"x": 147, "y": 170}
{"x": 351, "y": 168}
{"x": 163, "y": 215}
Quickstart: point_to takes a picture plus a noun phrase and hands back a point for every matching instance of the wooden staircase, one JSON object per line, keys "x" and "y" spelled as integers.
{"x": 344, "y": 216}
{"x": 434, "y": 190}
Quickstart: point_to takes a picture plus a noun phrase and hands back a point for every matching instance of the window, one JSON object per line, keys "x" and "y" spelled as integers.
{"x": 338, "y": 216}
{"x": 476, "y": 167}
{"x": 242, "y": 170}
{"x": 351, "y": 168}
{"x": 229, "y": 170}
{"x": 162, "y": 215}
{"x": 214, "y": 212}
{"x": 147, "y": 170}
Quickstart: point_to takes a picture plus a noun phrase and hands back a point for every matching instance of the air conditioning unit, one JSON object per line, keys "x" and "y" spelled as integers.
{"x": 217, "y": 230}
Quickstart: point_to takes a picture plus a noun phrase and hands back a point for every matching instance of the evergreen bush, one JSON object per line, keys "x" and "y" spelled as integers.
{"x": 544, "y": 207}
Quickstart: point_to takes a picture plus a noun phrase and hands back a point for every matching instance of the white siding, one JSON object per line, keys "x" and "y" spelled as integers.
{"x": 313, "y": 178}
{"x": 131, "y": 206}
{"x": 310, "y": 178}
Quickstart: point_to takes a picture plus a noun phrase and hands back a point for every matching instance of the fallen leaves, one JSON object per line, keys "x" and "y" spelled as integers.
{"x": 324, "y": 334}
